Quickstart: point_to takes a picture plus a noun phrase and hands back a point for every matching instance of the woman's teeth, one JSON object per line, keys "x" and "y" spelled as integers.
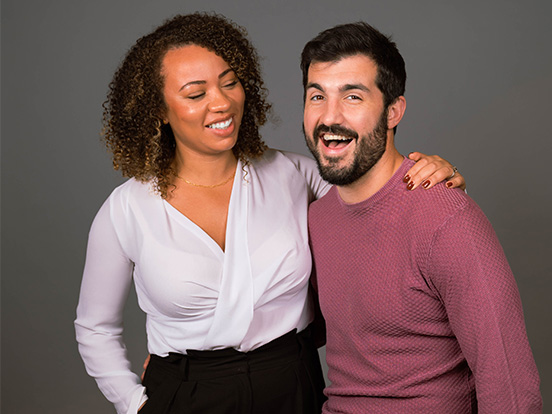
{"x": 220, "y": 125}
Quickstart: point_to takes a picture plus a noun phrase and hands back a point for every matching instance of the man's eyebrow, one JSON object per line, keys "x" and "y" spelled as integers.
{"x": 202, "y": 82}
{"x": 315, "y": 86}
{"x": 344, "y": 88}
{"x": 351, "y": 86}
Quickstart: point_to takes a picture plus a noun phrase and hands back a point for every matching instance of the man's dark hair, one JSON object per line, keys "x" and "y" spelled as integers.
{"x": 360, "y": 38}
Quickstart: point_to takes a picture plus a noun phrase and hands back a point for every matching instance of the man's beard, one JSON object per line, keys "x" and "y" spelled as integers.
{"x": 368, "y": 152}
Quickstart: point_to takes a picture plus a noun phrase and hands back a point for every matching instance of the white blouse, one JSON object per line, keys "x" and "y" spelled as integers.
{"x": 195, "y": 295}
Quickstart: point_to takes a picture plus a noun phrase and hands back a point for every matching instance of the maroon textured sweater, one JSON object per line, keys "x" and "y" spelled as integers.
{"x": 422, "y": 311}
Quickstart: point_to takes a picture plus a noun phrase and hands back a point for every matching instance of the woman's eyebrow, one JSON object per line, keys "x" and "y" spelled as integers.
{"x": 202, "y": 82}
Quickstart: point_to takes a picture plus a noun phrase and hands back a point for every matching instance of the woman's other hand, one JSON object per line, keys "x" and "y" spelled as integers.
{"x": 146, "y": 362}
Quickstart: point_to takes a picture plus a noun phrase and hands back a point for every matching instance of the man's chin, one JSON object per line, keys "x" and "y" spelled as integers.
{"x": 338, "y": 162}
{"x": 335, "y": 175}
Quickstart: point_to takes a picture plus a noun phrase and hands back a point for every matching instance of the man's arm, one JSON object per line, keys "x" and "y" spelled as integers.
{"x": 468, "y": 268}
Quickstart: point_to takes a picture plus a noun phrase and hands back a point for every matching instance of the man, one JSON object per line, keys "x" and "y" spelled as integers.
{"x": 422, "y": 311}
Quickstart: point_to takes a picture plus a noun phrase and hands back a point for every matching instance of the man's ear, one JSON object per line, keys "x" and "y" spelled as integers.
{"x": 395, "y": 112}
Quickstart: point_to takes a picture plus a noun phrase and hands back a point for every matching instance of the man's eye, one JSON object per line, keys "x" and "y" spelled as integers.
{"x": 354, "y": 97}
{"x": 316, "y": 97}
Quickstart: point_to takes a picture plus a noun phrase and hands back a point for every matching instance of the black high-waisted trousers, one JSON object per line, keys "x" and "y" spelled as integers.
{"x": 281, "y": 377}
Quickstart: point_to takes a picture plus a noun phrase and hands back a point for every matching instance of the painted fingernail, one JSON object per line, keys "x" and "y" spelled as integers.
{"x": 410, "y": 185}
{"x": 449, "y": 184}
{"x": 426, "y": 183}
{"x": 406, "y": 178}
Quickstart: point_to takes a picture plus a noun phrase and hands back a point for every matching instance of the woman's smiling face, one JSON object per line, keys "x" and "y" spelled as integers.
{"x": 204, "y": 100}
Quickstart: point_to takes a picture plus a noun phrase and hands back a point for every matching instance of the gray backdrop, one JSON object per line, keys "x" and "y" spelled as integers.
{"x": 479, "y": 88}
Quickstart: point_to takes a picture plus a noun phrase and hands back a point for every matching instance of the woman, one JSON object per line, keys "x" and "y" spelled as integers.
{"x": 212, "y": 228}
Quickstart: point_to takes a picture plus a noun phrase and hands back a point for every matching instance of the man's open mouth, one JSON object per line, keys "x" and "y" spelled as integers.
{"x": 335, "y": 141}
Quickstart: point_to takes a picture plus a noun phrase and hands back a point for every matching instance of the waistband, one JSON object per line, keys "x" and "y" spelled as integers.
{"x": 201, "y": 365}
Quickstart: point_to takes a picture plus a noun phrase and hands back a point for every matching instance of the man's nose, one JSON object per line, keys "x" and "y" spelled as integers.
{"x": 332, "y": 113}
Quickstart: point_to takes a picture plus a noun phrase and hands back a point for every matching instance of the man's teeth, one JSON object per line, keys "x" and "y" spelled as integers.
{"x": 336, "y": 141}
{"x": 220, "y": 125}
{"x": 336, "y": 138}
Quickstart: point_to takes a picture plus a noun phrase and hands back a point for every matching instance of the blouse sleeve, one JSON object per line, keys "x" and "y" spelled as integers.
{"x": 307, "y": 167}
{"x": 99, "y": 325}
{"x": 472, "y": 276}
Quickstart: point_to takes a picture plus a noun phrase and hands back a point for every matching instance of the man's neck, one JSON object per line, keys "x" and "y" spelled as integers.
{"x": 371, "y": 182}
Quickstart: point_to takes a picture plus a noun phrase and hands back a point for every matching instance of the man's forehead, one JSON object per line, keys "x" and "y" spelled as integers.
{"x": 346, "y": 70}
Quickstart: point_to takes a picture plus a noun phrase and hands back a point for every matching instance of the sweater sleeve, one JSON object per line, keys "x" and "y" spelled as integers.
{"x": 470, "y": 273}
{"x": 99, "y": 324}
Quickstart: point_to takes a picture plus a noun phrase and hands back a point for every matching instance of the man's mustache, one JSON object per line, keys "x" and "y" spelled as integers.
{"x": 335, "y": 130}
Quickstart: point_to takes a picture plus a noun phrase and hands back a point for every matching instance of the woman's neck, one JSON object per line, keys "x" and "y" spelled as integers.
{"x": 204, "y": 169}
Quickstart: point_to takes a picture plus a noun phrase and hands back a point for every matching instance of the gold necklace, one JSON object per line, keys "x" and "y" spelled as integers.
{"x": 206, "y": 186}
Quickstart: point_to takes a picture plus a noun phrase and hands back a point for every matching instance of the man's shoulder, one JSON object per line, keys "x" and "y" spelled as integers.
{"x": 328, "y": 199}
{"x": 439, "y": 207}
{"x": 437, "y": 200}
{"x": 327, "y": 206}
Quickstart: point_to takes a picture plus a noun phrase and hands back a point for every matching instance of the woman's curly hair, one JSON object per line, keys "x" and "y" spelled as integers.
{"x": 142, "y": 146}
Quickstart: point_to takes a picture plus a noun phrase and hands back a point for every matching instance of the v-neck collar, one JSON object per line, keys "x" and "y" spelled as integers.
{"x": 183, "y": 220}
